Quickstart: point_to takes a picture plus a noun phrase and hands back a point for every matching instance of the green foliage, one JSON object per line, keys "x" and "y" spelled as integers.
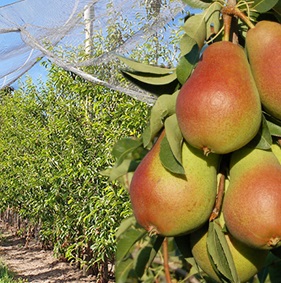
{"x": 56, "y": 144}
{"x": 220, "y": 253}
{"x": 55, "y": 140}
{"x": 6, "y": 276}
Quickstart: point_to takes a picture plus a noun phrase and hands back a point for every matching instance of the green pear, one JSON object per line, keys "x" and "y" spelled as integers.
{"x": 276, "y": 149}
{"x": 252, "y": 202}
{"x": 248, "y": 261}
{"x": 218, "y": 108}
{"x": 169, "y": 204}
{"x": 263, "y": 44}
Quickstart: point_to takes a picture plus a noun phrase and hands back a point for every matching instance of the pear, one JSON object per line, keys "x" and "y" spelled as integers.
{"x": 170, "y": 204}
{"x": 277, "y": 151}
{"x": 218, "y": 108}
{"x": 263, "y": 45}
{"x": 248, "y": 261}
{"x": 252, "y": 202}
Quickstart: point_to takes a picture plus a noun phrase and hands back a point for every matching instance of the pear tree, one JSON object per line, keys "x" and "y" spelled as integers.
{"x": 222, "y": 100}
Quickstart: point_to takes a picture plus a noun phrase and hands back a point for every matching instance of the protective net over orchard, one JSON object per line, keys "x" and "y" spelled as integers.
{"x": 97, "y": 30}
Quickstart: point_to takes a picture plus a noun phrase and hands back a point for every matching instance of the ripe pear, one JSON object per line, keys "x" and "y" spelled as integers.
{"x": 252, "y": 202}
{"x": 218, "y": 108}
{"x": 170, "y": 204}
{"x": 248, "y": 261}
{"x": 263, "y": 44}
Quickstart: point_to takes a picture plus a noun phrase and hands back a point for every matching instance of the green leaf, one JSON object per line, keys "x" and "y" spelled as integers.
{"x": 128, "y": 234}
{"x": 157, "y": 89}
{"x": 174, "y": 136}
{"x": 187, "y": 63}
{"x": 119, "y": 170}
{"x": 147, "y": 138}
{"x": 198, "y": 3}
{"x": 125, "y": 225}
{"x": 195, "y": 28}
{"x": 274, "y": 129}
{"x": 163, "y": 108}
{"x": 186, "y": 44}
{"x": 277, "y": 11}
{"x": 145, "y": 68}
{"x": 124, "y": 269}
{"x": 220, "y": 253}
{"x": 183, "y": 244}
{"x": 263, "y": 6}
{"x": 125, "y": 146}
{"x": 127, "y": 239}
{"x": 146, "y": 255}
{"x": 212, "y": 19}
{"x": 151, "y": 78}
{"x": 274, "y": 125}
{"x": 129, "y": 152}
{"x": 167, "y": 158}
{"x": 263, "y": 139}
{"x": 271, "y": 272}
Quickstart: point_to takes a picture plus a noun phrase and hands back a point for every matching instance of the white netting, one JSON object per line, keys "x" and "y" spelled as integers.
{"x": 31, "y": 29}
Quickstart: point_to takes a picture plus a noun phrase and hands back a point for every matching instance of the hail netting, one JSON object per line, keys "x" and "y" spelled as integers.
{"x": 98, "y": 29}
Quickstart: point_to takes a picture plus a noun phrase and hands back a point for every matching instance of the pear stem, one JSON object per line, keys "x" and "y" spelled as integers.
{"x": 166, "y": 261}
{"x": 221, "y": 188}
{"x": 216, "y": 211}
{"x": 234, "y": 11}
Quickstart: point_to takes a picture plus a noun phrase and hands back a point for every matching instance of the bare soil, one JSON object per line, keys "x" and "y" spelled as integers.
{"x": 34, "y": 264}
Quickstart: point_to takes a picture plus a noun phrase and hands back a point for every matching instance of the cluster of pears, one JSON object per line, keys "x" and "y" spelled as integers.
{"x": 219, "y": 112}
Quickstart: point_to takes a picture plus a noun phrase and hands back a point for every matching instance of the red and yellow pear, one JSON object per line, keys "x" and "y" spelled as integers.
{"x": 252, "y": 202}
{"x": 218, "y": 108}
{"x": 170, "y": 204}
{"x": 263, "y": 44}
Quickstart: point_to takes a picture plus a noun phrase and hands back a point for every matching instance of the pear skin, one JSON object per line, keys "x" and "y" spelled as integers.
{"x": 248, "y": 261}
{"x": 263, "y": 44}
{"x": 276, "y": 149}
{"x": 252, "y": 202}
{"x": 218, "y": 108}
{"x": 171, "y": 205}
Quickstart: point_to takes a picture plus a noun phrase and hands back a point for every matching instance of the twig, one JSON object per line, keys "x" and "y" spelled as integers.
{"x": 234, "y": 11}
{"x": 227, "y": 18}
{"x": 166, "y": 261}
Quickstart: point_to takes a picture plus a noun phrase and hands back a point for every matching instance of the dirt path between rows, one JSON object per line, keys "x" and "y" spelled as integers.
{"x": 34, "y": 264}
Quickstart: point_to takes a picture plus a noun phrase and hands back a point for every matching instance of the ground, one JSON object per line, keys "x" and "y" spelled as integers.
{"x": 34, "y": 264}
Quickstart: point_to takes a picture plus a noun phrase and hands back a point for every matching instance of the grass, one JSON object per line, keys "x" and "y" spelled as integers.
{"x": 6, "y": 276}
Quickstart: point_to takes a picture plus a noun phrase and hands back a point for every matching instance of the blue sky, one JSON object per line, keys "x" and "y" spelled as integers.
{"x": 5, "y": 2}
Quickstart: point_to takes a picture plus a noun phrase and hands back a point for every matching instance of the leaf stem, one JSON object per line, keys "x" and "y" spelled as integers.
{"x": 166, "y": 261}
